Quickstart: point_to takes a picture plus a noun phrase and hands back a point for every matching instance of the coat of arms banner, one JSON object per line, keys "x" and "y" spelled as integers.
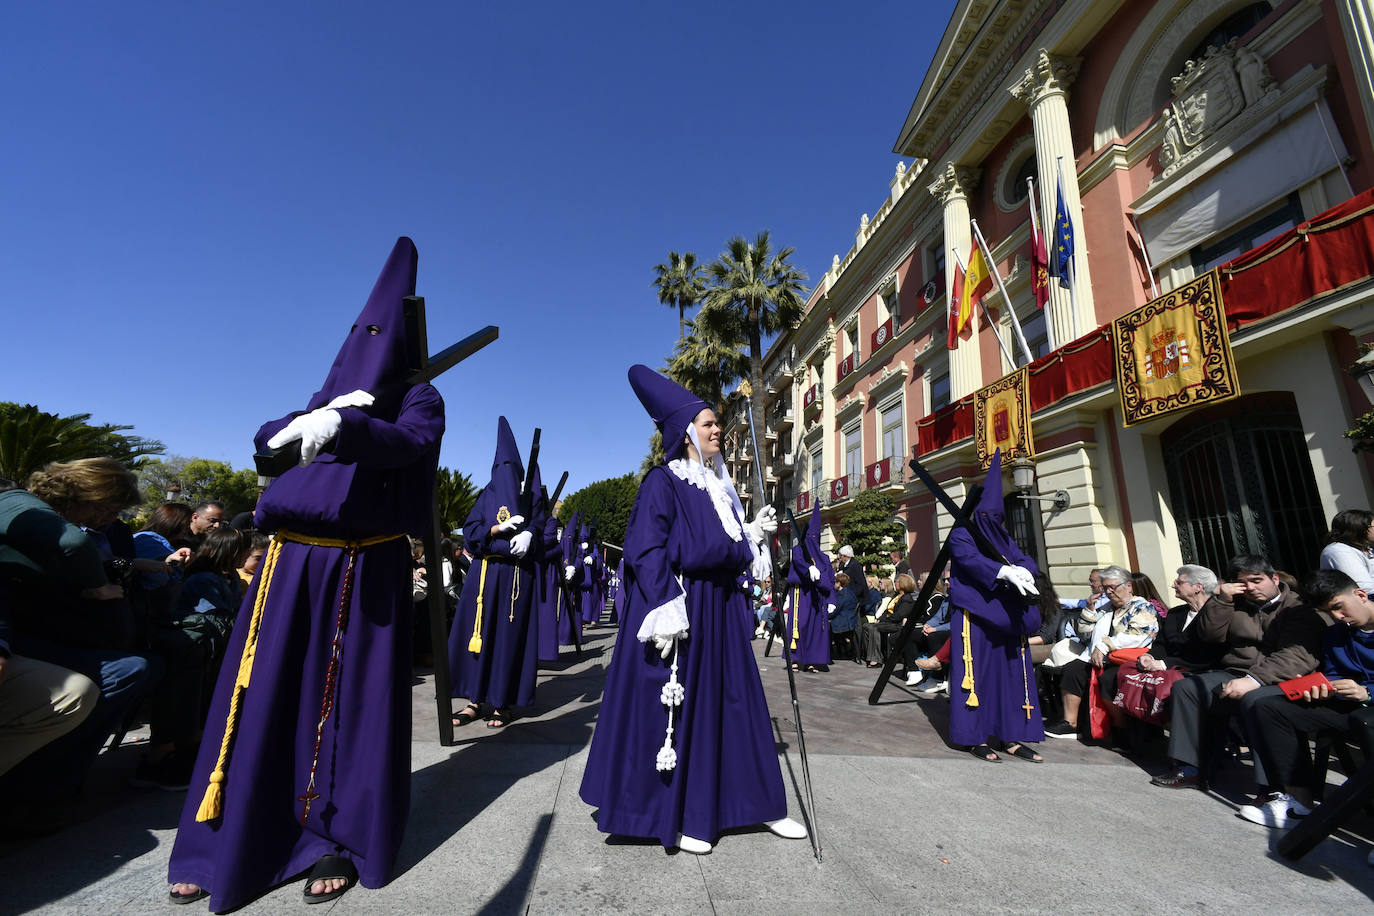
{"x": 1174, "y": 352}
{"x": 1002, "y": 419}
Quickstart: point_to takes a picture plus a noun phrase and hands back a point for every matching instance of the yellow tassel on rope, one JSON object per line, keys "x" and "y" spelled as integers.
{"x": 475, "y": 643}
{"x": 967, "y": 684}
{"x": 796, "y": 606}
{"x": 212, "y": 805}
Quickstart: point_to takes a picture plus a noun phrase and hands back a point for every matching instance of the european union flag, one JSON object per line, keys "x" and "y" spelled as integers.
{"x": 1061, "y": 258}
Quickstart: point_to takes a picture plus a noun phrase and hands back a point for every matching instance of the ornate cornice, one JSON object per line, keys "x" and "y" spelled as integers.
{"x": 954, "y": 182}
{"x": 1050, "y": 74}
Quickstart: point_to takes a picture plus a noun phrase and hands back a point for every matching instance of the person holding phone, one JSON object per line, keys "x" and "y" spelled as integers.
{"x": 1279, "y": 727}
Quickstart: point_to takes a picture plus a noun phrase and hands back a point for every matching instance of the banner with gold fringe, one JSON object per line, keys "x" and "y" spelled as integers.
{"x": 1174, "y": 352}
{"x": 1002, "y": 419}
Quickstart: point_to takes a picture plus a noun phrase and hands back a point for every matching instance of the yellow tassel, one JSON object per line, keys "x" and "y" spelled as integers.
{"x": 796, "y": 607}
{"x": 475, "y": 643}
{"x": 967, "y": 684}
{"x": 213, "y": 802}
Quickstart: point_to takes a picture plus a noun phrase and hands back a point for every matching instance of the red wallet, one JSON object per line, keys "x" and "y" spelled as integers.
{"x": 1294, "y": 689}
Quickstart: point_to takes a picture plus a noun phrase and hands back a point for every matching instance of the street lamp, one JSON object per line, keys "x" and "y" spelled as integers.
{"x": 1023, "y": 477}
{"x": 173, "y": 493}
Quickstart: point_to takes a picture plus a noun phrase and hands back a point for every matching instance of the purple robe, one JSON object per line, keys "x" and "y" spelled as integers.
{"x": 999, "y": 620}
{"x": 727, "y": 772}
{"x": 550, "y": 571}
{"x": 809, "y": 601}
{"x": 376, "y": 479}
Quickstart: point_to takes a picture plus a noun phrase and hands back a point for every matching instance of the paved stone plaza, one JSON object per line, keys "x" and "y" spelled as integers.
{"x": 908, "y": 825}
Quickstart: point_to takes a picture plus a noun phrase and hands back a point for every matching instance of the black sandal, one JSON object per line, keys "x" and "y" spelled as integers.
{"x": 985, "y": 754}
{"x": 199, "y": 893}
{"x": 1023, "y": 752}
{"x": 328, "y": 868}
{"x": 498, "y": 719}
{"x": 470, "y": 713}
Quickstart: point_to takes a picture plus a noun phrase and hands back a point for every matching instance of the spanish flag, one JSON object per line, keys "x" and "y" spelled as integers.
{"x": 977, "y": 282}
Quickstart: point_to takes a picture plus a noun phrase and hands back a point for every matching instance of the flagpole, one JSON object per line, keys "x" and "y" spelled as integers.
{"x": 1035, "y": 233}
{"x": 986, "y": 317}
{"x": 1073, "y": 274}
{"x": 1016, "y": 324}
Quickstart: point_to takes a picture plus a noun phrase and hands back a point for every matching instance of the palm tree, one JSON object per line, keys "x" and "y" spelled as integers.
{"x": 706, "y": 365}
{"x": 457, "y": 495}
{"x": 680, "y": 283}
{"x": 31, "y": 438}
{"x": 752, "y": 292}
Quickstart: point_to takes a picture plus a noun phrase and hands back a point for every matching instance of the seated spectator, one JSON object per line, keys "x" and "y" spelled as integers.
{"x": 1144, "y": 586}
{"x": 845, "y": 616}
{"x": 191, "y": 642}
{"x": 1279, "y": 728}
{"x": 932, "y": 635}
{"x": 1269, "y": 634}
{"x": 63, "y": 610}
{"x": 1132, "y": 623}
{"x": 763, "y": 609}
{"x": 258, "y": 542}
{"x": 870, "y": 640}
{"x": 206, "y": 515}
{"x": 1350, "y": 546}
{"x": 1056, "y": 620}
{"x": 1179, "y": 643}
{"x": 891, "y": 623}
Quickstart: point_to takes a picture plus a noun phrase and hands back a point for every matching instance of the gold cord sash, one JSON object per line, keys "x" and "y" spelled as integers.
{"x": 967, "y": 684}
{"x": 796, "y": 607}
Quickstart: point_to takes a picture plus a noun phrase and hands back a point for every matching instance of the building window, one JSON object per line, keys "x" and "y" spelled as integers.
{"x": 816, "y": 478}
{"x": 888, "y": 307}
{"x": 891, "y": 419}
{"x": 851, "y": 334}
{"x": 854, "y": 453}
{"x": 1037, "y": 333}
{"x": 939, "y": 391}
{"x": 1019, "y": 166}
{"x": 1254, "y": 233}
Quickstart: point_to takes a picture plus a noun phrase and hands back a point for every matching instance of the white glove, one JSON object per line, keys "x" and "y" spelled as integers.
{"x": 584, "y": 545}
{"x": 763, "y": 525}
{"x": 357, "y": 398}
{"x": 520, "y": 544}
{"x": 587, "y": 561}
{"x": 313, "y": 430}
{"x": 665, "y": 644}
{"x": 1018, "y": 578}
{"x": 510, "y": 524}
{"x": 569, "y": 572}
{"x": 830, "y": 610}
{"x": 814, "y": 573}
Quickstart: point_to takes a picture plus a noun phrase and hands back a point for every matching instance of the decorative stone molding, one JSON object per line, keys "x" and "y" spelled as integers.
{"x": 955, "y": 182}
{"x": 891, "y": 376}
{"x": 849, "y": 405}
{"x": 1049, "y": 74}
{"x": 1208, "y": 94}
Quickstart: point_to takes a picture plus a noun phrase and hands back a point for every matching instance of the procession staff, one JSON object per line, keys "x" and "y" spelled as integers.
{"x": 683, "y": 666}
{"x": 492, "y": 646}
{"x": 306, "y": 754}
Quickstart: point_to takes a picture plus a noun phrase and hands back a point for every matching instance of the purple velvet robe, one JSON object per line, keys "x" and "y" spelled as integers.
{"x": 727, "y": 772}
{"x": 809, "y": 601}
{"x": 550, "y": 572}
{"x": 376, "y": 479}
{"x": 569, "y": 614}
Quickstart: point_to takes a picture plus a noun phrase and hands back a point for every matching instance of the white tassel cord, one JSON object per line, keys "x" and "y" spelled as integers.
{"x": 671, "y": 695}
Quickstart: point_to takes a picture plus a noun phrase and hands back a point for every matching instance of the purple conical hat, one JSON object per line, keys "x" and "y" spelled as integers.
{"x": 671, "y": 406}
{"x": 507, "y": 473}
{"x": 381, "y": 348}
{"x": 991, "y": 500}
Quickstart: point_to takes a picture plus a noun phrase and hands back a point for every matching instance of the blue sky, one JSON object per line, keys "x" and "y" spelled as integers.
{"x": 198, "y": 198}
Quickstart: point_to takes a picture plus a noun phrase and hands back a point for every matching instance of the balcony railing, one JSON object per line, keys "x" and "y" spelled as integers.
{"x": 812, "y": 399}
{"x": 843, "y": 488}
{"x": 889, "y": 472}
{"x": 780, "y": 377}
{"x": 782, "y": 417}
{"x": 846, "y": 366}
{"x": 806, "y": 500}
{"x": 784, "y": 465}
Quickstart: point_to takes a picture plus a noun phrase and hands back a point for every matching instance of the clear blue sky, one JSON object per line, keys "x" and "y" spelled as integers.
{"x": 198, "y": 197}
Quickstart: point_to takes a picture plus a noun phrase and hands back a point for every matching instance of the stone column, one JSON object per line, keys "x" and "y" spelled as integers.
{"x": 1357, "y": 24}
{"x": 951, "y": 188}
{"x": 1042, "y": 88}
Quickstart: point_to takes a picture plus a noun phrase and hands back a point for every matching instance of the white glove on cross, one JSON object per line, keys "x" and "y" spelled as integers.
{"x": 520, "y": 544}
{"x": 569, "y": 572}
{"x": 358, "y": 398}
{"x": 312, "y": 429}
{"x": 1019, "y": 578}
{"x": 814, "y": 573}
{"x": 584, "y": 545}
{"x": 587, "y": 561}
{"x": 510, "y": 524}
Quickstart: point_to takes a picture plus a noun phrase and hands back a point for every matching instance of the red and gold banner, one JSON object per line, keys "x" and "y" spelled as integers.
{"x": 1174, "y": 352}
{"x": 1002, "y": 419}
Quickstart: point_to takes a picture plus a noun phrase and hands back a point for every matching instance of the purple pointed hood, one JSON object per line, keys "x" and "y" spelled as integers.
{"x": 989, "y": 516}
{"x": 382, "y": 348}
{"x": 507, "y": 473}
{"x": 671, "y": 406}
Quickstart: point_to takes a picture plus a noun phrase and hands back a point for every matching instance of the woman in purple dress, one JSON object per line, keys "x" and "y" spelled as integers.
{"x": 683, "y": 748}
{"x": 810, "y": 601}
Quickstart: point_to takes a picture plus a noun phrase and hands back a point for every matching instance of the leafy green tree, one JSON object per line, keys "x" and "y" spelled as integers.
{"x": 753, "y": 292}
{"x": 457, "y": 496}
{"x": 706, "y": 364}
{"x": 605, "y": 502}
{"x": 681, "y": 283}
{"x": 655, "y": 457}
{"x": 199, "y": 479}
{"x": 31, "y": 438}
{"x": 870, "y": 526}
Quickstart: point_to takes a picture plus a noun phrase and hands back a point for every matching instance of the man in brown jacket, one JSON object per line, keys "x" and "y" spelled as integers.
{"x": 1269, "y": 635}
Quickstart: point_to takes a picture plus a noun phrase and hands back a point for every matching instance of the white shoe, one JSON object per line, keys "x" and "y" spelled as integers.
{"x": 787, "y": 828}
{"x": 1276, "y": 810}
{"x": 914, "y": 677}
{"x": 693, "y": 845}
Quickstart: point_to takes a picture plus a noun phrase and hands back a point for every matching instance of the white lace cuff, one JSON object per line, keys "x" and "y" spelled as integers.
{"x": 667, "y": 620}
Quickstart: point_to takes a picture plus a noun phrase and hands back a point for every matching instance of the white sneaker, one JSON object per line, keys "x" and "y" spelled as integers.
{"x": 787, "y": 828}
{"x": 693, "y": 845}
{"x": 914, "y": 677}
{"x": 1276, "y": 810}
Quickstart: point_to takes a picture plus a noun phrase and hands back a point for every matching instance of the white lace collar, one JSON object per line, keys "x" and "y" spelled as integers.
{"x": 723, "y": 497}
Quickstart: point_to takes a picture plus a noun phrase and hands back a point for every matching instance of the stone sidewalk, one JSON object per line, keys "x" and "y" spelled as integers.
{"x": 907, "y": 825}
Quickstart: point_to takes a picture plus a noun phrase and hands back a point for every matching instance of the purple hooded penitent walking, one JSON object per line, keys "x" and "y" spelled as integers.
{"x": 492, "y": 647}
{"x": 807, "y": 619}
{"x": 992, "y": 687}
{"x": 684, "y": 552}
{"x": 329, "y": 616}
{"x": 550, "y": 594}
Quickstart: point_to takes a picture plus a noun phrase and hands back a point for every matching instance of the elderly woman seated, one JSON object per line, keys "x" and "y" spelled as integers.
{"x": 1128, "y": 622}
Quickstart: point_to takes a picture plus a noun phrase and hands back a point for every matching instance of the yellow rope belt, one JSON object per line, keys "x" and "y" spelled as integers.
{"x": 796, "y": 606}
{"x": 967, "y": 684}
{"x": 212, "y": 804}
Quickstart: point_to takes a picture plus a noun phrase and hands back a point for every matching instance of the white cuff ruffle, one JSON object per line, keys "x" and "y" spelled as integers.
{"x": 667, "y": 620}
